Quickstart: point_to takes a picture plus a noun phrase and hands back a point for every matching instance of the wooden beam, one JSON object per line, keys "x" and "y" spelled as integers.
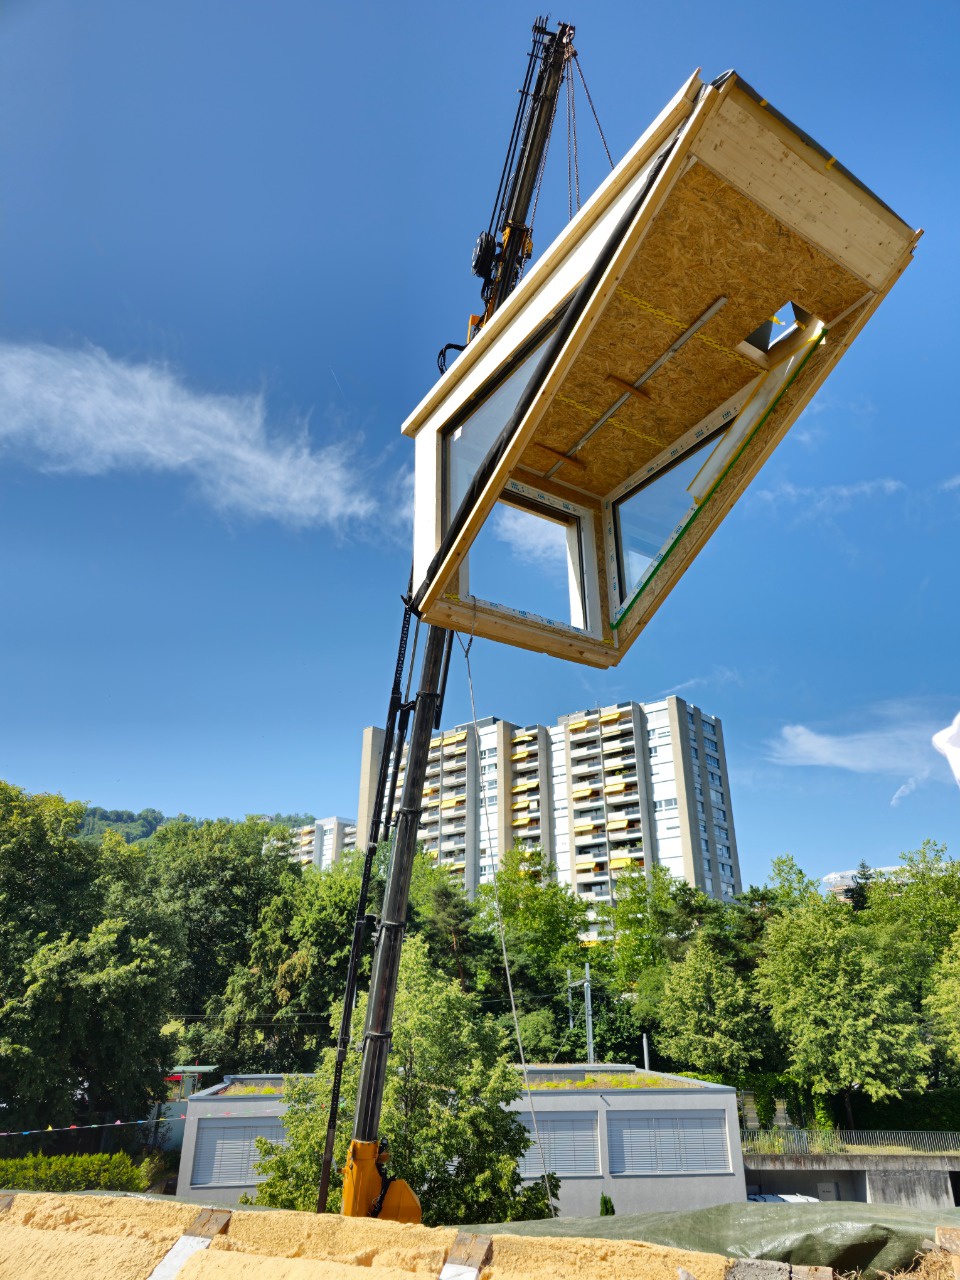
{"x": 626, "y": 386}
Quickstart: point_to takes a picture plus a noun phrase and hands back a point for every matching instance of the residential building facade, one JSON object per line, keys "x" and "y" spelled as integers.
{"x": 601, "y": 792}
{"x": 320, "y": 843}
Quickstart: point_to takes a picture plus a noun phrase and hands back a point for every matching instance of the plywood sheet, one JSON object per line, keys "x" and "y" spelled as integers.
{"x": 708, "y": 241}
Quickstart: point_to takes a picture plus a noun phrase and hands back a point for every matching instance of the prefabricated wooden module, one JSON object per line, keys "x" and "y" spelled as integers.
{"x": 647, "y": 366}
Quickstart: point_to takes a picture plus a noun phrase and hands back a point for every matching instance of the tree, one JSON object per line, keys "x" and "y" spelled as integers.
{"x": 459, "y": 942}
{"x": 215, "y": 878}
{"x": 542, "y": 922}
{"x": 943, "y": 1002}
{"x": 841, "y": 1007}
{"x": 449, "y": 1080}
{"x": 84, "y": 983}
{"x": 85, "y": 1039}
{"x": 914, "y": 912}
{"x": 710, "y": 1021}
{"x": 859, "y": 894}
{"x": 272, "y": 1014}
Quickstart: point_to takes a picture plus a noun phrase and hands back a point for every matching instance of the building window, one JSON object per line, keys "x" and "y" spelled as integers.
{"x": 641, "y": 1143}
{"x": 226, "y": 1152}
{"x": 570, "y": 1145}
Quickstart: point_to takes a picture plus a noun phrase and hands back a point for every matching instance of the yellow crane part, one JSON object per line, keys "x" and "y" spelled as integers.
{"x": 369, "y": 1191}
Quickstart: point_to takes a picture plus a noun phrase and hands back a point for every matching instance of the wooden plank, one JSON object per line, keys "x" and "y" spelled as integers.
{"x": 469, "y": 1255}
{"x": 471, "y": 617}
{"x": 741, "y": 146}
{"x": 209, "y": 1223}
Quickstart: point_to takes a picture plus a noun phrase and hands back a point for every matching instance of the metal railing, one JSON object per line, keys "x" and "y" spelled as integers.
{"x": 825, "y": 1142}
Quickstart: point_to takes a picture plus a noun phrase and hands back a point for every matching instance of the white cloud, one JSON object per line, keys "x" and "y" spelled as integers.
{"x": 896, "y": 744}
{"x": 952, "y": 483}
{"x": 84, "y": 413}
{"x": 718, "y": 676}
{"x": 537, "y": 542}
{"x": 830, "y": 499}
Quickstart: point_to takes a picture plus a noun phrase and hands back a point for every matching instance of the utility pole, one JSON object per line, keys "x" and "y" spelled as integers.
{"x": 588, "y": 1005}
{"x": 646, "y": 1052}
{"x": 569, "y": 1000}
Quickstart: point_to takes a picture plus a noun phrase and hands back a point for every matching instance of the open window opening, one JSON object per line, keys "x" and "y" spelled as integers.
{"x": 786, "y": 324}
{"x": 649, "y": 517}
{"x": 530, "y": 558}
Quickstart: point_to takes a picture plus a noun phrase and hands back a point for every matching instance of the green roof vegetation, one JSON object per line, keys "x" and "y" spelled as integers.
{"x": 615, "y": 1080}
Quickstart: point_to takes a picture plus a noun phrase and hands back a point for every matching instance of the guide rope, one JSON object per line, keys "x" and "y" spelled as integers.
{"x": 499, "y": 918}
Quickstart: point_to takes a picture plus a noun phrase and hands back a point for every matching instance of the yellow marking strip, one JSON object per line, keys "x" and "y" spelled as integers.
{"x": 679, "y": 324}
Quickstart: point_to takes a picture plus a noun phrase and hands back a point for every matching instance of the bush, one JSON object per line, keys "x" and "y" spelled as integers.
{"x": 73, "y": 1173}
{"x": 606, "y": 1206}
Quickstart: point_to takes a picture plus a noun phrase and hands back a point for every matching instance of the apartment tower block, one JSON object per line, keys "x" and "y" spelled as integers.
{"x": 600, "y": 792}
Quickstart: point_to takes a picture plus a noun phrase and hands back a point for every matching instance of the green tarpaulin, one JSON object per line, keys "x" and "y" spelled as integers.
{"x": 846, "y": 1236}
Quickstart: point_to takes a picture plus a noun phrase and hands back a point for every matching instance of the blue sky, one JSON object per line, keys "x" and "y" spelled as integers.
{"x": 234, "y": 237}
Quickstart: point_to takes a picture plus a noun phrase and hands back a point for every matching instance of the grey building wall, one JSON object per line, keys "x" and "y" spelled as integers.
{"x": 236, "y": 1121}
{"x": 642, "y": 1193}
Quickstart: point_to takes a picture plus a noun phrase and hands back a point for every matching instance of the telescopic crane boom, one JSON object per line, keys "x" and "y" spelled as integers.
{"x": 502, "y": 251}
{"x": 499, "y": 259}
{"x": 368, "y": 1191}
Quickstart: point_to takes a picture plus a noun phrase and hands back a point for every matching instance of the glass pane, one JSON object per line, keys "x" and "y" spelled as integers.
{"x": 522, "y": 559}
{"x": 648, "y": 519}
{"x": 469, "y": 443}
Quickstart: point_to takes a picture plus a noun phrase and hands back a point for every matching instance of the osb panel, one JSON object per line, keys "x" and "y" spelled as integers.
{"x": 708, "y": 241}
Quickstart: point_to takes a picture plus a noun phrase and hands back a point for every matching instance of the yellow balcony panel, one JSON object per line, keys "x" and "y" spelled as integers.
{"x": 617, "y": 824}
{"x": 576, "y": 725}
{"x": 522, "y": 822}
{"x": 523, "y": 737}
{"x": 609, "y": 716}
{"x": 455, "y": 737}
{"x": 524, "y": 786}
{"x": 520, "y": 804}
{"x": 618, "y": 784}
{"x": 617, "y": 864}
{"x": 429, "y": 804}
{"x": 520, "y": 755}
{"x": 580, "y": 793}
{"x": 584, "y": 826}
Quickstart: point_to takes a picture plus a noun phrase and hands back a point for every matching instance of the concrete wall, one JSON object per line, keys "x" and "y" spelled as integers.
{"x": 922, "y": 1182}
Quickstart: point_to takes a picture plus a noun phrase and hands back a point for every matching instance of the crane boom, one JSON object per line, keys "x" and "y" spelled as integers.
{"x": 367, "y": 1189}
{"x": 500, "y": 263}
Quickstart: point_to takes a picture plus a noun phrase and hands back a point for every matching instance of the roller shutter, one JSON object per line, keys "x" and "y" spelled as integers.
{"x": 569, "y": 1144}
{"x": 642, "y": 1143}
{"x": 226, "y": 1152}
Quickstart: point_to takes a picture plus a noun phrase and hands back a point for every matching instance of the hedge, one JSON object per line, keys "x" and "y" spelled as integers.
{"x": 73, "y": 1173}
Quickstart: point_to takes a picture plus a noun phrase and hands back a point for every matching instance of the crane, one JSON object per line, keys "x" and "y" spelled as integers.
{"x": 498, "y": 260}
